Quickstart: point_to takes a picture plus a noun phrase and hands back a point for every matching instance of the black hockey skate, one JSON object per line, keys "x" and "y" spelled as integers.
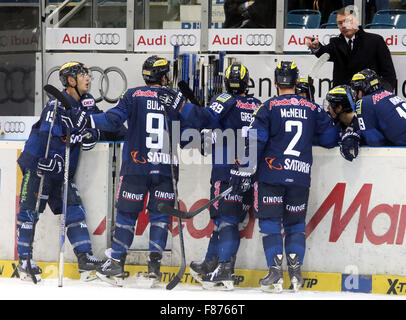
{"x": 222, "y": 278}
{"x": 199, "y": 268}
{"x": 153, "y": 275}
{"x": 273, "y": 281}
{"x": 24, "y": 272}
{"x": 295, "y": 273}
{"x": 87, "y": 265}
{"x": 112, "y": 271}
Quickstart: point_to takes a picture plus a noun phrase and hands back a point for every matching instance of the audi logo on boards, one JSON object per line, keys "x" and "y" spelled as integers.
{"x": 404, "y": 40}
{"x": 106, "y": 77}
{"x": 183, "y": 40}
{"x": 326, "y": 38}
{"x": 14, "y": 127}
{"x": 259, "y": 39}
{"x": 107, "y": 38}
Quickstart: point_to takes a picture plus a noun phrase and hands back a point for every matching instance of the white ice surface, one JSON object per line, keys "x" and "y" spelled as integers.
{"x": 15, "y": 289}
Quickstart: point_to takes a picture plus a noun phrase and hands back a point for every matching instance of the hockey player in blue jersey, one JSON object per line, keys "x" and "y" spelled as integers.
{"x": 146, "y": 167}
{"x": 76, "y": 79}
{"x": 378, "y": 118}
{"x": 228, "y": 112}
{"x": 283, "y": 131}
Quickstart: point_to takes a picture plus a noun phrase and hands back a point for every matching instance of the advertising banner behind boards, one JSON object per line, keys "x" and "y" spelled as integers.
{"x": 85, "y": 39}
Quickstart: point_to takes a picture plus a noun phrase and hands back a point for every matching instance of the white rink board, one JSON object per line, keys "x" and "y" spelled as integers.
{"x": 360, "y": 226}
{"x": 93, "y": 180}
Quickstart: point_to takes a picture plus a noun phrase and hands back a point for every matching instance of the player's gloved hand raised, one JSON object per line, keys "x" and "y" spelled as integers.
{"x": 74, "y": 119}
{"x": 52, "y": 166}
{"x": 89, "y": 138}
{"x": 240, "y": 179}
{"x": 349, "y": 144}
{"x": 171, "y": 100}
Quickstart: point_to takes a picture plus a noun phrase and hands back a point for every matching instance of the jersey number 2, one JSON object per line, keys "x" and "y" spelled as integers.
{"x": 289, "y": 125}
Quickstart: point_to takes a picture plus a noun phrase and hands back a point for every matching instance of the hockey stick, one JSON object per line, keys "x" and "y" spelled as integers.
{"x": 164, "y": 208}
{"x": 64, "y": 208}
{"x": 49, "y": 89}
{"x": 175, "y": 72}
{"x": 188, "y": 93}
{"x": 315, "y": 71}
{"x": 178, "y": 277}
{"x": 59, "y": 96}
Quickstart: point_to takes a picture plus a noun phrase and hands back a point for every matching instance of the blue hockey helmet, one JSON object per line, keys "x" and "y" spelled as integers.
{"x": 154, "y": 68}
{"x": 342, "y": 95}
{"x": 366, "y": 81}
{"x": 236, "y": 78}
{"x": 72, "y": 69}
{"x": 286, "y": 73}
{"x": 303, "y": 86}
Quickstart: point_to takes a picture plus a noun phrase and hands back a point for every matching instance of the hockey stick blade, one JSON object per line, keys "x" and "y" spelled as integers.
{"x": 53, "y": 91}
{"x": 188, "y": 93}
{"x": 173, "y": 283}
{"x": 318, "y": 65}
{"x": 164, "y": 208}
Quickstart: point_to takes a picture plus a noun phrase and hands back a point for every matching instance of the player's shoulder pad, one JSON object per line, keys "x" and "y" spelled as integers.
{"x": 51, "y": 103}
{"x": 143, "y": 92}
{"x": 257, "y": 109}
{"x": 358, "y": 106}
{"x": 88, "y": 101}
{"x": 224, "y": 97}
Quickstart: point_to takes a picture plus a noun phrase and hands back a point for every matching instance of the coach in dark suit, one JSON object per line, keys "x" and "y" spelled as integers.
{"x": 354, "y": 50}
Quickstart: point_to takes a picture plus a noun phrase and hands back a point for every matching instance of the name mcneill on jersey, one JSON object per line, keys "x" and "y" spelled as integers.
{"x": 293, "y": 113}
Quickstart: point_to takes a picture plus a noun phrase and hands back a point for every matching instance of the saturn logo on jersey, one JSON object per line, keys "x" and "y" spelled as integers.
{"x": 137, "y": 160}
{"x": 74, "y": 138}
{"x": 271, "y": 166}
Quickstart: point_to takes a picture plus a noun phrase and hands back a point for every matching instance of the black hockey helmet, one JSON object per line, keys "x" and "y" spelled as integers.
{"x": 286, "y": 73}
{"x": 72, "y": 69}
{"x": 154, "y": 68}
{"x": 367, "y": 81}
{"x": 303, "y": 86}
{"x": 342, "y": 95}
{"x": 236, "y": 78}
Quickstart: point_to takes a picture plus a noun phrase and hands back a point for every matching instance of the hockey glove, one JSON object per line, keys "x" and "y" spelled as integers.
{"x": 89, "y": 138}
{"x": 349, "y": 144}
{"x": 170, "y": 100}
{"x": 74, "y": 119}
{"x": 51, "y": 166}
{"x": 240, "y": 179}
